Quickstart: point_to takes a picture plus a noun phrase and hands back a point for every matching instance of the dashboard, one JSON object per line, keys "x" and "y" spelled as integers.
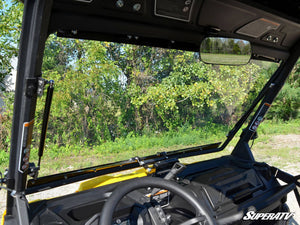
{"x": 223, "y": 186}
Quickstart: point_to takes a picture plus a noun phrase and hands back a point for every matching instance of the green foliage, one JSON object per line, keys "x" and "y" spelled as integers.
{"x": 175, "y": 100}
{"x": 59, "y": 53}
{"x": 225, "y": 46}
{"x": 287, "y": 103}
{"x": 98, "y": 99}
{"x": 6, "y": 121}
{"x": 61, "y": 158}
{"x": 4, "y": 157}
{"x": 232, "y": 85}
{"x": 184, "y": 136}
{"x": 86, "y": 97}
{"x": 10, "y": 27}
{"x": 280, "y": 127}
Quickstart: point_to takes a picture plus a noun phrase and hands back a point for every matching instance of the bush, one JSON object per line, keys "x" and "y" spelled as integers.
{"x": 6, "y": 113}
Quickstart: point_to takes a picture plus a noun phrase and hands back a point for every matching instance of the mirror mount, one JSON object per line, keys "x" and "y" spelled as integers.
{"x": 212, "y": 30}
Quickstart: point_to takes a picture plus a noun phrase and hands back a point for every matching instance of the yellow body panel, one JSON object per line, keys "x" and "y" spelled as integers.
{"x": 2, "y": 220}
{"x": 106, "y": 179}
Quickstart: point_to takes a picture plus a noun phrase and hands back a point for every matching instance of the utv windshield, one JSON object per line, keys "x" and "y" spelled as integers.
{"x": 113, "y": 102}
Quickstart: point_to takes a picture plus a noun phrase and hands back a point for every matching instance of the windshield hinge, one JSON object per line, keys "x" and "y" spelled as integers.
{"x": 35, "y": 86}
{"x": 41, "y": 85}
{"x": 33, "y": 171}
{"x": 162, "y": 154}
{"x": 138, "y": 159}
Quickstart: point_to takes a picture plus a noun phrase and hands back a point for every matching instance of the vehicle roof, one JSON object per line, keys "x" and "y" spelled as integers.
{"x": 272, "y": 28}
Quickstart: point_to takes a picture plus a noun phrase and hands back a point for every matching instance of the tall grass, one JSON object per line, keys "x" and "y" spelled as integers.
{"x": 280, "y": 127}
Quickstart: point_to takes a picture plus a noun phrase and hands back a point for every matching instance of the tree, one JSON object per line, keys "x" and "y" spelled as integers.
{"x": 236, "y": 49}
{"x": 207, "y": 48}
{"x": 178, "y": 98}
{"x": 10, "y": 27}
{"x": 232, "y": 84}
{"x": 87, "y": 95}
{"x": 287, "y": 103}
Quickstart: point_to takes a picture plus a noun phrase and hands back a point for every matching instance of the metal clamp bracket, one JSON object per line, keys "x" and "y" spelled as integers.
{"x": 35, "y": 86}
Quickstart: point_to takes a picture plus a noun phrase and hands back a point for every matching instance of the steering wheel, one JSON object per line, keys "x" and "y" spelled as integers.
{"x": 122, "y": 190}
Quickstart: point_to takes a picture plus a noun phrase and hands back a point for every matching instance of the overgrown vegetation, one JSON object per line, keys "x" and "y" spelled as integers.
{"x": 58, "y": 159}
{"x": 105, "y": 91}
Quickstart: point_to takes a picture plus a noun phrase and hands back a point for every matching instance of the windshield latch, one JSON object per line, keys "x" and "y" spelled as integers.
{"x": 35, "y": 86}
{"x": 41, "y": 86}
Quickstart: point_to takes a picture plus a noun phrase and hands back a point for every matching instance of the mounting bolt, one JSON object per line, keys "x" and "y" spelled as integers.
{"x": 275, "y": 40}
{"x": 74, "y": 32}
{"x": 137, "y": 7}
{"x": 120, "y": 3}
{"x": 185, "y": 9}
{"x": 168, "y": 218}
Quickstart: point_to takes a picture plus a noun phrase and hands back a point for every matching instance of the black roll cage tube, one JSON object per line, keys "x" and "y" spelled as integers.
{"x": 36, "y": 19}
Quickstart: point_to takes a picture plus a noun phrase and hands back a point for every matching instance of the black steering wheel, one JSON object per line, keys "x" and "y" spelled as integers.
{"x": 125, "y": 188}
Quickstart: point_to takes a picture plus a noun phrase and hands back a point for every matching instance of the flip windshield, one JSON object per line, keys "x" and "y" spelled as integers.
{"x": 113, "y": 101}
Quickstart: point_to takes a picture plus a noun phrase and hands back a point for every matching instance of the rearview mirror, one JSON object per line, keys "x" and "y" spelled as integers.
{"x": 225, "y": 51}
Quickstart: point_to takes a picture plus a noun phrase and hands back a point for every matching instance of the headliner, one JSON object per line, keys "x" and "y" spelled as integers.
{"x": 272, "y": 29}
